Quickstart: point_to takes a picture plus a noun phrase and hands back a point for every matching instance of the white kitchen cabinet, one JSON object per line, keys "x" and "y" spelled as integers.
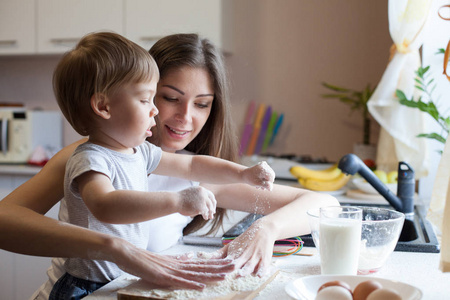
{"x": 146, "y": 21}
{"x": 17, "y": 27}
{"x": 61, "y": 24}
{"x": 7, "y": 281}
{"x": 20, "y": 275}
{"x": 55, "y": 26}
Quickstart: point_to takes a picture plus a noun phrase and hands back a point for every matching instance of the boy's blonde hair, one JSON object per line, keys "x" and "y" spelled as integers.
{"x": 101, "y": 62}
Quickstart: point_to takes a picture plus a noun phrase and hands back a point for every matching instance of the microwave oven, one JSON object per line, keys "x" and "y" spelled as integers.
{"x": 22, "y": 131}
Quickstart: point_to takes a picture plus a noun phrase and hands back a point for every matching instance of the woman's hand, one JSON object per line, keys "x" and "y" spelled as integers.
{"x": 168, "y": 271}
{"x": 260, "y": 175}
{"x": 251, "y": 252}
{"x": 197, "y": 201}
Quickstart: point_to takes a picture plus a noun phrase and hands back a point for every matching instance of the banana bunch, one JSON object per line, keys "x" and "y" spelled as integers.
{"x": 331, "y": 179}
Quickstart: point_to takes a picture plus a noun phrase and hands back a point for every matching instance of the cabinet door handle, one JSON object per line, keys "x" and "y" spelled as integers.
{"x": 151, "y": 38}
{"x": 64, "y": 40}
{"x": 8, "y": 42}
{"x": 4, "y": 135}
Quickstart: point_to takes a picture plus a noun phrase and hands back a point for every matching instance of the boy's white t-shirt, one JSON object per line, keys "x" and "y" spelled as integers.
{"x": 125, "y": 172}
{"x": 164, "y": 232}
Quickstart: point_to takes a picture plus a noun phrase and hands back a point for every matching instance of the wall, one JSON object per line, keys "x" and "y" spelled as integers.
{"x": 28, "y": 80}
{"x": 283, "y": 50}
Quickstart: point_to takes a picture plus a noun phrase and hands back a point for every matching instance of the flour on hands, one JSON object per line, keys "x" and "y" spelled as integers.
{"x": 197, "y": 201}
{"x": 260, "y": 175}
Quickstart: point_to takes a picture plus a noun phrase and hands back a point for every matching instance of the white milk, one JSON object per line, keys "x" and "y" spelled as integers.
{"x": 339, "y": 246}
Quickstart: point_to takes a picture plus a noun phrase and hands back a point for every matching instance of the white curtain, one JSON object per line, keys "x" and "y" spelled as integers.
{"x": 439, "y": 209}
{"x": 400, "y": 124}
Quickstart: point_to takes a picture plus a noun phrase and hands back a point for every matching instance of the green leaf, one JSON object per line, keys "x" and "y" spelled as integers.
{"x": 447, "y": 123}
{"x": 433, "y": 136}
{"x": 432, "y": 89}
{"x": 400, "y": 95}
{"x": 419, "y": 88}
{"x": 334, "y": 87}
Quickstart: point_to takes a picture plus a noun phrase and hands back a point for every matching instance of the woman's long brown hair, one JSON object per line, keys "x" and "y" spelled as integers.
{"x": 217, "y": 137}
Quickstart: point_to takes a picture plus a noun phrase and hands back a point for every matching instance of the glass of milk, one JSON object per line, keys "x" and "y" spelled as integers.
{"x": 340, "y": 238}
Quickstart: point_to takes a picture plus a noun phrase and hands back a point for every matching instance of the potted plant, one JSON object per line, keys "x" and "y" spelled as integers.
{"x": 427, "y": 86}
{"x": 357, "y": 100}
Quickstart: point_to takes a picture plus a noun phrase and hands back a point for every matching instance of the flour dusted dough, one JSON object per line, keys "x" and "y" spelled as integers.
{"x": 230, "y": 286}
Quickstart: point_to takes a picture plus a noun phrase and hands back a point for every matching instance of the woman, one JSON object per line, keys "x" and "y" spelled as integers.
{"x": 194, "y": 115}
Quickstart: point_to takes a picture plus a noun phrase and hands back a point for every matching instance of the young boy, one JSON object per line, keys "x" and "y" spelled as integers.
{"x": 105, "y": 89}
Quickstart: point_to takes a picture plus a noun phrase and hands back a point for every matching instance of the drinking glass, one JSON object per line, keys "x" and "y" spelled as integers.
{"x": 340, "y": 238}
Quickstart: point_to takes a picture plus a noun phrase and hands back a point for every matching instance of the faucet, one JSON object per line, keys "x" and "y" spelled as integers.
{"x": 403, "y": 201}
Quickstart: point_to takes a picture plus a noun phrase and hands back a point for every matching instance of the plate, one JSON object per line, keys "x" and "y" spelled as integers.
{"x": 364, "y": 186}
{"x": 305, "y": 288}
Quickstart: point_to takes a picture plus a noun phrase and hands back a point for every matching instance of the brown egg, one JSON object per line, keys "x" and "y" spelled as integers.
{"x": 334, "y": 292}
{"x": 384, "y": 294}
{"x": 365, "y": 288}
{"x": 336, "y": 283}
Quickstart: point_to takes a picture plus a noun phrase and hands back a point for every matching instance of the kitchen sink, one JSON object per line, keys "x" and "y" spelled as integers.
{"x": 417, "y": 234}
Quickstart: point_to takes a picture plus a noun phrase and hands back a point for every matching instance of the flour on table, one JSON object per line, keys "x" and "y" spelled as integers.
{"x": 232, "y": 284}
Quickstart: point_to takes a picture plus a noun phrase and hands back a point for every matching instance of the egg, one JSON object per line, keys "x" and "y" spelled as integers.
{"x": 336, "y": 283}
{"x": 334, "y": 292}
{"x": 384, "y": 294}
{"x": 363, "y": 289}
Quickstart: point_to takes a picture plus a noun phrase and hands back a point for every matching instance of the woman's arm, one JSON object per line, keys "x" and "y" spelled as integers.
{"x": 21, "y": 212}
{"x": 43, "y": 236}
{"x": 285, "y": 216}
{"x": 24, "y": 229}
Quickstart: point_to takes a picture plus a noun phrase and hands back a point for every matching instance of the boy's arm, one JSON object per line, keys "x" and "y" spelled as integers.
{"x": 213, "y": 170}
{"x": 126, "y": 206}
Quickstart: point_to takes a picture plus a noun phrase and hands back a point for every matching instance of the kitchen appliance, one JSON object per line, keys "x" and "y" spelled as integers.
{"x": 21, "y": 131}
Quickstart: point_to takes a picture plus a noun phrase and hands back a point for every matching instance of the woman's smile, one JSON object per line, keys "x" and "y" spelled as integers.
{"x": 177, "y": 132}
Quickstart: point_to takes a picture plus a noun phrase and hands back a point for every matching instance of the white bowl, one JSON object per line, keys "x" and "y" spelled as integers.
{"x": 364, "y": 186}
{"x": 306, "y": 287}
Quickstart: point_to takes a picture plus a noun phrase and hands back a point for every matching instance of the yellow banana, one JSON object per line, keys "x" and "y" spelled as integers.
{"x": 328, "y": 174}
{"x": 325, "y": 185}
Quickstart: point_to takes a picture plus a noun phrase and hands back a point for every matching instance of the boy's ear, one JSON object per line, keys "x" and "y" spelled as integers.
{"x": 100, "y": 105}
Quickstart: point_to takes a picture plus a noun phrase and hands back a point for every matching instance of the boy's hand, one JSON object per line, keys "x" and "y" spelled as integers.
{"x": 197, "y": 201}
{"x": 260, "y": 175}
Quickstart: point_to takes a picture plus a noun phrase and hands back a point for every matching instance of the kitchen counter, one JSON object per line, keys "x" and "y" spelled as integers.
{"x": 19, "y": 169}
{"x": 414, "y": 268}
{"x": 417, "y": 269}
{"x": 13, "y": 175}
